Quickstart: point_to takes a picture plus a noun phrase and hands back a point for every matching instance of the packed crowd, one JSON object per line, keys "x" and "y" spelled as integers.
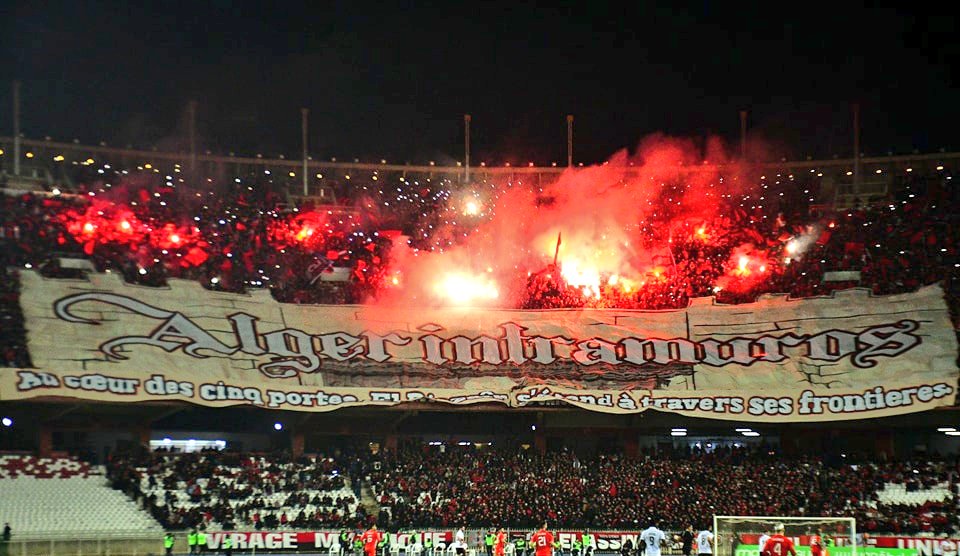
{"x": 228, "y": 490}
{"x": 13, "y": 350}
{"x": 229, "y": 242}
{"x": 247, "y": 236}
{"x": 895, "y": 246}
{"x": 424, "y": 486}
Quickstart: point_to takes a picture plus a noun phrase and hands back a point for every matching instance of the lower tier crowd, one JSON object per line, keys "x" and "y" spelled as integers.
{"x": 516, "y": 487}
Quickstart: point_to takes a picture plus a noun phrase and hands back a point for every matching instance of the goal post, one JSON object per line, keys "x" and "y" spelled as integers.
{"x": 740, "y": 535}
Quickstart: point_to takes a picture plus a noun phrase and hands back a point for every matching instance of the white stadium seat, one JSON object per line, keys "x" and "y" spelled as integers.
{"x": 227, "y": 475}
{"x": 897, "y": 493}
{"x": 65, "y": 496}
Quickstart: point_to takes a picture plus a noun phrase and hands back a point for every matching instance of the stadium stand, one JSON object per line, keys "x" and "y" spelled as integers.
{"x": 499, "y": 486}
{"x": 907, "y": 240}
{"x": 893, "y": 493}
{"x": 61, "y": 496}
{"x": 230, "y": 491}
{"x": 420, "y": 486}
{"x": 248, "y": 238}
{"x": 917, "y": 485}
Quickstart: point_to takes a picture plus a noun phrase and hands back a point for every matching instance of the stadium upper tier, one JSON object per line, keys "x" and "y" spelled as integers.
{"x": 649, "y": 241}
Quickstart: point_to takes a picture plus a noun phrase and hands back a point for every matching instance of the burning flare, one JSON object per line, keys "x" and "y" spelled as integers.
{"x": 459, "y": 288}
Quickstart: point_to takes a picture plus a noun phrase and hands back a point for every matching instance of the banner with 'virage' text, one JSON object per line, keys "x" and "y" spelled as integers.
{"x": 844, "y": 357}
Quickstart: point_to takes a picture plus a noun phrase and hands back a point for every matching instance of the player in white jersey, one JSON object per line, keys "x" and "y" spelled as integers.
{"x": 459, "y": 542}
{"x": 653, "y": 538}
{"x": 763, "y": 541}
{"x": 704, "y": 542}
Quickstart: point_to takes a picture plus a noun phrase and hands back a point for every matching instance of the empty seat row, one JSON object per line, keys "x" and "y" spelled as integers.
{"x": 84, "y": 505}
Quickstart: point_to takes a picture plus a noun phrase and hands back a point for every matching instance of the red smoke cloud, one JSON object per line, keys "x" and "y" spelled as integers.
{"x": 617, "y": 225}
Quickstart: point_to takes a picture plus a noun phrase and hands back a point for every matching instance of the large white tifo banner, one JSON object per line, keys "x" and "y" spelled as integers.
{"x": 846, "y": 357}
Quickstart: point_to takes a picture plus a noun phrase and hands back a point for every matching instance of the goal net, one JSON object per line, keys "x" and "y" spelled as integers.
{"x": 740, "y": 535}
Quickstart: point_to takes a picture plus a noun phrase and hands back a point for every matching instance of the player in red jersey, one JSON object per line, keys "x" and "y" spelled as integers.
{"x": 816, "y": 545}
{"x": 778, "y": 545}
{"x": 542, "y": 541}
{"x": 500, "y": 544}
{"x": 370, "y": 541}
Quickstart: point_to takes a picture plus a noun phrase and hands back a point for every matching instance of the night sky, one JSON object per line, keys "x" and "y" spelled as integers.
{"x": 394, "y": 81}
